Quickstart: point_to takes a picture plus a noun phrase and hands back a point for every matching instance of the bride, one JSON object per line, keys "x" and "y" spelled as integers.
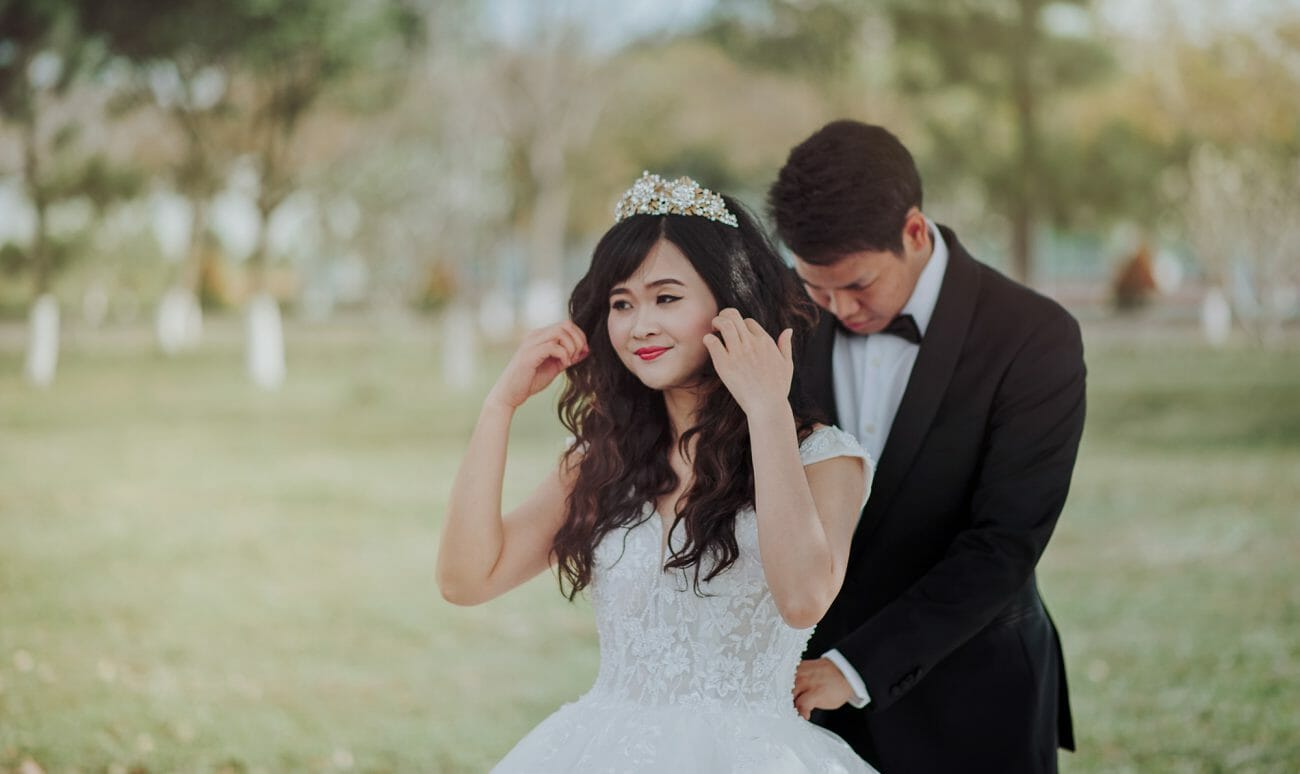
{"x": 701, "y": 507}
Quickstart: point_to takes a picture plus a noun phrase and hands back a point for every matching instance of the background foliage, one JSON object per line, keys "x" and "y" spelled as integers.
{"x": 197, "y": 575}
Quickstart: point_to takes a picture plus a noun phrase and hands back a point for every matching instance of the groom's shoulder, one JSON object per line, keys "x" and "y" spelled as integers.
{"x": 1020, "y": 298}
{"x": 1013, "y": 310}
{"x": 1000, "y": 293}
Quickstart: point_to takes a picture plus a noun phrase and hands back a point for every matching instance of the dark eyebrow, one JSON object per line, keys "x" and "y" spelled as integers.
{"x": 858, "y": 283}
{"x": 655, "y": 284}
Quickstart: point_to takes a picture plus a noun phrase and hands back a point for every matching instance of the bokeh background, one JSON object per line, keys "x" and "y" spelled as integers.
{"x": 260, "y": 259}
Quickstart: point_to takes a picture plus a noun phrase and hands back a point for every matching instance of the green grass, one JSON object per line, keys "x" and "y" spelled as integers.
{"x": 1173, "y": 573}
{"x": 195, "y": 576}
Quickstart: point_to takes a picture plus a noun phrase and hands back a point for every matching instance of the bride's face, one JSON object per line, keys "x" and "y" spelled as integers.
{"x": 658, "y": 318}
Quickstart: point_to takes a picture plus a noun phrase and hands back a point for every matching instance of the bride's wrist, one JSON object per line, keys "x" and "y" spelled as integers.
{"x": 770, "y": 416}
{"x": 495, "y": 404}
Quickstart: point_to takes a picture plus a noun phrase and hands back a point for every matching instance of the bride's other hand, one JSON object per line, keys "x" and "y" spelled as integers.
{"x": 541, "y": 356}
{"x": 484, "y": 553}
{"x": 819, "y": 684}
{"x": 756, "y": 369}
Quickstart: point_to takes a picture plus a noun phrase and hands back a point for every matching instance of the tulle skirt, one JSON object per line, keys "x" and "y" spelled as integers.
{"x": 594, "y": 735}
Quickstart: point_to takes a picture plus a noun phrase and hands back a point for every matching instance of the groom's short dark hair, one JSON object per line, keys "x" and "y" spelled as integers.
{"x": 846, "y": 189}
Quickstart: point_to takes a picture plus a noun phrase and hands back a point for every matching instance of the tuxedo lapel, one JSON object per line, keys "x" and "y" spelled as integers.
{"x": 935, "y": 362}
{"x": 820, "y": 384}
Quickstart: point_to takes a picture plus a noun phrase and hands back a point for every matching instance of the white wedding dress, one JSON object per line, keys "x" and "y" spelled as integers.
{"x": 689, "y": 683}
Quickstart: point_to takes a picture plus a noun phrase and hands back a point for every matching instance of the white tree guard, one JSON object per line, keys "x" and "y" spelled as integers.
{"x": 1216, "y": 317}
{"x": 266, "y": 366}
{"x": 459, "y": 348}
{"x": 179, "y": 323}
{"x": 43, "y": 342}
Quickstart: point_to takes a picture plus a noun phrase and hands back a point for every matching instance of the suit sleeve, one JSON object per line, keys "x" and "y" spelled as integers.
{"x": 1032, "y": 439}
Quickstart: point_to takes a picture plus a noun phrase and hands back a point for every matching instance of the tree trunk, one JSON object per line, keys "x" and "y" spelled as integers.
{"x": 459, "y": 348}
{"x": 1028, "y": 188}
{"x": 43, "y": 341}
{"x": 192, "y": 273}
{"x": 266, "y": 365}
{"x": 43, "y": 324}
{"x": 265, "y": 332}
{"x": 543, "y": 304}
{"x": 1216, "y": 317}
{"x": 40, "y": 259}
{"x": 1022, "y": 242}
{"x": 179, "y": 324}
{"x": 40, "y": 251}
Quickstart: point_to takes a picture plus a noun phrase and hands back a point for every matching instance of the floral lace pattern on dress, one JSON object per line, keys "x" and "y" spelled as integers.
{"x": 727, "y": 655}
{"x": 660, "y": 643}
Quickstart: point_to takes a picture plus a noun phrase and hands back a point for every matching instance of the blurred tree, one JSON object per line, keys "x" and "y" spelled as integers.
{"x": 730, "y": 130}
{"x": 548, "y": 91}
{"x": 182, "y": 57}
{"x": 1234, "y": 98}
{"x": 817, "y": 41}
{"x": 567, "y": 124}
{"x": 835, "y": 53}
{"x": 239, "y": 80}
{"x": 984, "y": 73}
{"x": 1108, "y": 169}
{"x": 428, "y": 175}
{"x": 44, "y": 57}
{"x": 295, "y": 52}
{"x": 35, "y": 37}
{"x": 1240, "y": 218}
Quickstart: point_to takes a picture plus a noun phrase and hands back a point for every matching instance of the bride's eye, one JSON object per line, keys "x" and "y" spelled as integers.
{"x": 620, "y": 305}
{"x": 667, "y": 299}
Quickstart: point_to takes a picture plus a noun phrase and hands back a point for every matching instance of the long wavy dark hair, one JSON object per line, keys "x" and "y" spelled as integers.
{"x": 620, "y": 426}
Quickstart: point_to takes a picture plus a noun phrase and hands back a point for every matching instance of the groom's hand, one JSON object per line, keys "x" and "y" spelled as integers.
{"x": 819, "y": 684}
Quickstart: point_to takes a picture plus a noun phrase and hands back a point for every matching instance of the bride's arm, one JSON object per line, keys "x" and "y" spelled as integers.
{"x": 805, "y": 516}
{"x": 482, "y": 554}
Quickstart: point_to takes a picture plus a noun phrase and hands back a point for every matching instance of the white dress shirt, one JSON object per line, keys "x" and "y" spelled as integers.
{"x": 870, "y": 374}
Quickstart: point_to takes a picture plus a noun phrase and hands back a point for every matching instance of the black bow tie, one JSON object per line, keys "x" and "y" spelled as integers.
{"x": 902, "y": 326}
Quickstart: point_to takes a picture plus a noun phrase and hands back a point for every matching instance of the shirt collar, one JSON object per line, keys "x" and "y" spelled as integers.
{"x": 926, "y": 293}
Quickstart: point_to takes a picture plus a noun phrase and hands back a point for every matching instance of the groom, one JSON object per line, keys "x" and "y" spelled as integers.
{"x": 968, "y": 390}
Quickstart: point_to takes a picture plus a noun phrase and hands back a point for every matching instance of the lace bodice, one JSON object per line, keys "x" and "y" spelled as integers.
{"x": 662, "y": 644}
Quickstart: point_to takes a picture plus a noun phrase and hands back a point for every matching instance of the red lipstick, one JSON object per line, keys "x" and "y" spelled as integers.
{"x": 650, "y": 353}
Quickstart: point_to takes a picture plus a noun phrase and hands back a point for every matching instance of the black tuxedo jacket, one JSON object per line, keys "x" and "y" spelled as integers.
{"x": 940, "y": 613}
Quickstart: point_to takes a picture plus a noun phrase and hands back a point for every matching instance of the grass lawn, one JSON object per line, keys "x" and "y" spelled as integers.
{"x": 195, "y": 576}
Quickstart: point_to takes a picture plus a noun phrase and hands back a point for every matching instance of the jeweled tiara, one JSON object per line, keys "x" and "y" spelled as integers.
{"x": 652, "y": 195}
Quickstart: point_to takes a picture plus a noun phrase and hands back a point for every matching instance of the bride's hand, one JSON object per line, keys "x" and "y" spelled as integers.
{"x": 541, "y": 356}
{"x": 756, "y": 369}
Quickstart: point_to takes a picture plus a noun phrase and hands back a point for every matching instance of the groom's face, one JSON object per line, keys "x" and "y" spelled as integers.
{"x": 865, "y": 290}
